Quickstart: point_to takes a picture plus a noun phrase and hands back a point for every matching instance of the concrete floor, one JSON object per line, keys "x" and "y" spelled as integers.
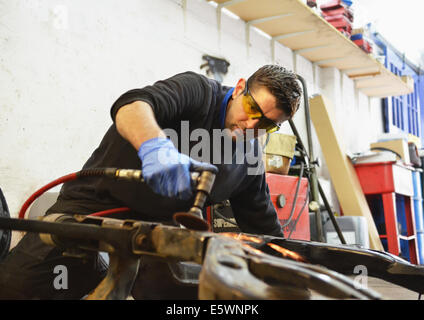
{"x": 387, "y": 290}
{"x": 390, "y": 291}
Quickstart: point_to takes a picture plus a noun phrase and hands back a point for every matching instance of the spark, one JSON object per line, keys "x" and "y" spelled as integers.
{"x": 242, "y": 237}
{"x": 286, "y": 253}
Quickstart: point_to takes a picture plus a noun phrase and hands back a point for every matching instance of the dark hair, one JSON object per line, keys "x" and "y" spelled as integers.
{"x": 283, "y": 85}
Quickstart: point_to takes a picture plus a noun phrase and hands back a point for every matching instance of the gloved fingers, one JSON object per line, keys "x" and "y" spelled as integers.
{"x": 167, "y": 171}
{"x": 175, "y": 182}
{"x": 184, "y": 185}
{"x": 198, "y": 166}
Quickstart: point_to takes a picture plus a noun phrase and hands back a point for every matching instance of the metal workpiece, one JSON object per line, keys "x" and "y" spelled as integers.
{"x": 225, "y": 274}
{"x": 345, "y": 259}
{"x": 300, "y": 275}
{"x": 234, "y": 270}
{"x": 233, "y": 266}
{"x": 173, "y": 243}
{"x": 78, "y": 234}
{"x": 119, "y": 279}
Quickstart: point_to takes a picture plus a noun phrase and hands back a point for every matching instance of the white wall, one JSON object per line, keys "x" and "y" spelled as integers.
{"x": 63, "y": 63}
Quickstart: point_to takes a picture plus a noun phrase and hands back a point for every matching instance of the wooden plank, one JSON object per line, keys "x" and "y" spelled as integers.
{"x": 343, "y": 175}
{"x": 379, "y": 92}
{"x": 254, "y": 9}
{"x": 364, "y": 69}
{"x": 377, "y": 80}
{"x": 295, "y": 19}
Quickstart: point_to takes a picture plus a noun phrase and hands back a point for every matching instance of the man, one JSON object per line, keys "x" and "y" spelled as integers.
{"x": 181, "y": 104}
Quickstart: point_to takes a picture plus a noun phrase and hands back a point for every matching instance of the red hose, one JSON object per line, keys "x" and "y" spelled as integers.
{"x": 40, "y": 191}
{"x": 69, "y": 177}
{"x": 110, "y": 211}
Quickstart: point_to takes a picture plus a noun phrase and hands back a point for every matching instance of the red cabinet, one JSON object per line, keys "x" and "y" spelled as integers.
{"x": 282, "y": 190}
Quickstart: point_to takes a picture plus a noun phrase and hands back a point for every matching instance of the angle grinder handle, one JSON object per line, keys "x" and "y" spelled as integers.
{"x": 202, "y": 182}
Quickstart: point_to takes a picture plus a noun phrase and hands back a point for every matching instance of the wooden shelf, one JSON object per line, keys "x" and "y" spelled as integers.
{"x": 298, "y": 27}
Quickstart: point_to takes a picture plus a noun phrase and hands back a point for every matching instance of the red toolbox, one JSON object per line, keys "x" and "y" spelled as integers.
{"x": 364, "y": 45}
{"x": 342, "y": 11}
{"x": 282, "y": 191}
{"x": 339, "y": 21}
{"x": 334, "y": 4}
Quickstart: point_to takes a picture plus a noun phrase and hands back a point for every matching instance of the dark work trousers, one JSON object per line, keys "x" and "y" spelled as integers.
{"x": 30, "y": 272}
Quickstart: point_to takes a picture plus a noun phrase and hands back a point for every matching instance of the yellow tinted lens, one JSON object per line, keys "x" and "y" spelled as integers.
{"x": 250, "y": 108}
{"x": 269, "y": 126}
{"x": 273, "y": 129}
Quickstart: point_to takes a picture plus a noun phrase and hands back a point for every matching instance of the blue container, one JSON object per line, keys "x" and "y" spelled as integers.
{"x": 420, "y": 240}
{"x": 419, "y": 225}
{"x": 357, "y": 36}
{"x": 418, "y": 213}
{"x": 416, "y": 182}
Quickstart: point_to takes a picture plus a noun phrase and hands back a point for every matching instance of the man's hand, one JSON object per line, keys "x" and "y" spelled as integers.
{"x": 166, "y": 170}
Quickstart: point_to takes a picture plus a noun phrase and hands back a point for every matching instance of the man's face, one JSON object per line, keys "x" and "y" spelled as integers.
{"x": 238, "y": 121}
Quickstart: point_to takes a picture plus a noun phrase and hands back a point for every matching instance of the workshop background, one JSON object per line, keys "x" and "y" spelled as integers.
{"x": 64, "y": 63}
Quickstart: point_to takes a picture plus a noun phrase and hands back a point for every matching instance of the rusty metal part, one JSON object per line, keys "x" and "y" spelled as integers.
{"x": 238, "y": 270}
{"x": 232, "y": 270}
{"x": 119, "y": 280}
{"x": 226, "y": 276}
{"x": 173, "y": 243}
{"x": 240, "y": 266}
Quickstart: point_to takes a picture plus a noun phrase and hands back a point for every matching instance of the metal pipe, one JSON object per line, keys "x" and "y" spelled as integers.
{"x": 314, "y": 179}
{"x": 312, "y": 166}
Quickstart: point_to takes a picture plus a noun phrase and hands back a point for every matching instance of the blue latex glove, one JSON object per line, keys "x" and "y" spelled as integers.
{"x": 167, "y": 171}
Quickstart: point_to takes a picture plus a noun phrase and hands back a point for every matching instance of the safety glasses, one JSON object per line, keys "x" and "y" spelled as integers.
{"x": 253, "y": 111}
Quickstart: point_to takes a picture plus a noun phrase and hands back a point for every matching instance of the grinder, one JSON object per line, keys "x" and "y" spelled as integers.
{"x": 193, "y": 219}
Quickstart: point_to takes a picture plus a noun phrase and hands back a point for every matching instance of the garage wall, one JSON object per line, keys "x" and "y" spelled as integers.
{"x": 63, "y": 63}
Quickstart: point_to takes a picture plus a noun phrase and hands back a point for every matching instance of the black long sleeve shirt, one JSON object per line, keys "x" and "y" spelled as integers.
{"x": 196, "y": 100}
